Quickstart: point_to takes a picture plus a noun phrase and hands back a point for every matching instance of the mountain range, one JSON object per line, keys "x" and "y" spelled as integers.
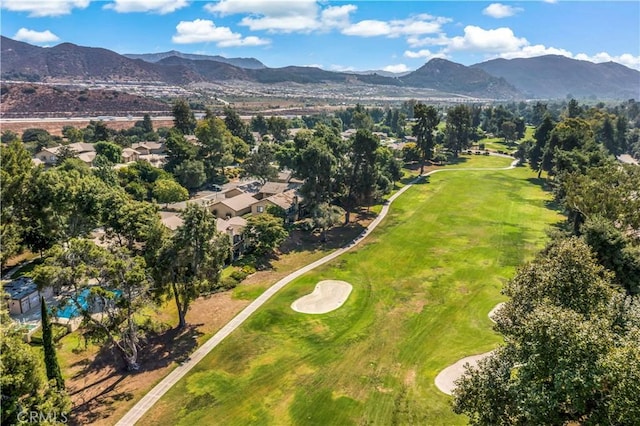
{"x": 545, "y": 77}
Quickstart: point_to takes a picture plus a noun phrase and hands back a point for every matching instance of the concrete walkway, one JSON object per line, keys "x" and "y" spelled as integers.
{"x": 142, "y": 406}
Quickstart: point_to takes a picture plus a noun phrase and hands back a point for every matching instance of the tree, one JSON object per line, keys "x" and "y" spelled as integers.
{"x": 110, "y": 151}
{"x": 183, "y": 118}
{"x": 259, "y": 124}
{"x": 178, "y": 150}
{"x": 168, "y": 191}
{"x": 458, "y": 129}
{"x": 316, "y": 164}
{"x": 541, "y": 136}
{"x": 191, "y": 174}
{"x": 22, "y": 380}
{"x": 130, "y": 223}
{"x": 265, "y": 232}
{"x": 259, "y": 164}
{"x": 360, "y": 174}
{"x": 147, "y": 124}
{"x": 325, "y": 216}
{"x": 101, "y": 132}
{"x": 121, "y": 290}
{"x": 216, "y": 145}
{"x": 35, "y": 135}
{"x": 65, "y": 152}
{"x": 279, "y": 128}
{"x": 509, "y": 132}
{"x": 15, "y": 173}
{"x": 427, "y": 120}
{"x": 190, "y": 262}
{"x": 565, "y": 329}
{"x": 9, "y": 136}
{"x": 50, "y": 358}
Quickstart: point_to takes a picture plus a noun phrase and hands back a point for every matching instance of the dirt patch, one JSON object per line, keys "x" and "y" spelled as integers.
{"x": 410, "y": 378}
{"x": 102, "y": 393}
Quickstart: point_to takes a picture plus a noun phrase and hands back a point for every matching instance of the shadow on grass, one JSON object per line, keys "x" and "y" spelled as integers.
{"x": 94, "y": 401}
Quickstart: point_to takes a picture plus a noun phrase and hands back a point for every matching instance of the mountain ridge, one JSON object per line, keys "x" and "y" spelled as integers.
{"x": 545, "y": 77}
{"x": 248, "y": 63}
{"x": 554, "y": 76}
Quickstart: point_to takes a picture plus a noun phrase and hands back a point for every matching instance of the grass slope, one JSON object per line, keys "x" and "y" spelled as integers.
{"x": 423, "y": 285}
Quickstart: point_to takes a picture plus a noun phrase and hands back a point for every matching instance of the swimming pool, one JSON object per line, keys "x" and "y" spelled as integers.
{"x": 70, "y": 309}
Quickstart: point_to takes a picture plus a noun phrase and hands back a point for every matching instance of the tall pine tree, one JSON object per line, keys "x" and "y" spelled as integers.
{"x": 50, "y": 358}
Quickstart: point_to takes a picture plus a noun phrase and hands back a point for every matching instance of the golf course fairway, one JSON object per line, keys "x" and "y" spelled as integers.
{"x": 423, "y": 284}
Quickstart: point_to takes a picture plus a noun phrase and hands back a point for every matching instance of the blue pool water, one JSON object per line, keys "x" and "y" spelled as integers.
{"x": 70, "y": 310}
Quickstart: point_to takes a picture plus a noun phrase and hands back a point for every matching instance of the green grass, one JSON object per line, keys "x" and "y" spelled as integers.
{"x": 424, "y": 282}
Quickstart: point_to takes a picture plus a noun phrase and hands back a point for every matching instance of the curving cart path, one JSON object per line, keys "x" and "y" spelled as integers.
{"x": 142, "y": 406}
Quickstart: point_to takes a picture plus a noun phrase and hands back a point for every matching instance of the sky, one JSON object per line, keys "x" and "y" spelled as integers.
{"x": 389, "y": 35}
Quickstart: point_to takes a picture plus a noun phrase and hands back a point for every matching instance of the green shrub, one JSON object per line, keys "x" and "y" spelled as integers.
{"x": 249, "y": 269}
{"x": 239, "y": 275}
{"x": 58, "y": 331}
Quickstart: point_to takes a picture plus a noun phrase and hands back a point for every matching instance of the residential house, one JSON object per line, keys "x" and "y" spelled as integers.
{"x": 271, "y": 188}
{"x": 148, "y": 148}
{"x": 129, "y": 155}
{"x": 171, "y": 220}
{"x": 234, "y": 228}
{"x": 289, "y": 201}
{"x": 348, "y": 133}
{"x": 23, "y": 295}
{"x": 232, "y": 207}
{"x": 49, "y": 156}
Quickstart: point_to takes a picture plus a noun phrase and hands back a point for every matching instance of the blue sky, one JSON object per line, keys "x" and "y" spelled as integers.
{"x": 349, "y": 35}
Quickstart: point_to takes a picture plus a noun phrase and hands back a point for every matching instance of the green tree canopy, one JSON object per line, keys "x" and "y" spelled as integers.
{"x": 265, "y": 232}
{"x": 168, "y": 191}
{"x": 183, "y": 118}
{"x": 190, "y": 262}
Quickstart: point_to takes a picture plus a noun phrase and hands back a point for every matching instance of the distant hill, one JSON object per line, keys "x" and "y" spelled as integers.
{"x": 553, "y": 76}
{"x": 542, "y": 77}
{"x": 22, "y": 61}
{"x": 30, "y": 99}
{"x": 248, "y": 63}
{"x": 448, "y": 76}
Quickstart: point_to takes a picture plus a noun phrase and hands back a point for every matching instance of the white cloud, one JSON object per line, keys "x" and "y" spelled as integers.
{"x": 285, "y": 16}
{"x": 550, "y": 1}
{"x": 412, "y": 26}
{"x": 368, "y": 28}
{"x": 440, "y": 40}
{"x": 161, "y": 7}
{"x": 32, "y": 36}
{"x": 535, "y": 50}
{"x": 341, "y": 68}
{"x": 336, "y": 16}
{"x": 205, "y": 31}
{"x": 480, "y": 40}
{"x": 424, "y": 53}
{"x": 625, "y": 59}
{"x": 397, "y": 68}
{"x": 264, "y": 7}
{"x": 39, "y": 8}
{"x": 498, "y": 10}
{"x": 280, "y": 24}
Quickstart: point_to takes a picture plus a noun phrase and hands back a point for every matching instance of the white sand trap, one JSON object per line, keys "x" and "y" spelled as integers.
{"x": 446, "y": 378}
{"x": 328, "y": 296}
{"x": 495, "y": 310}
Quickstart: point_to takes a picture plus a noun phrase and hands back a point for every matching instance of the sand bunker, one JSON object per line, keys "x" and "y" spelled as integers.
{"x": 328, "y": 295}
{"x": 494, "y": 311}
{"x": 446, "y": 378}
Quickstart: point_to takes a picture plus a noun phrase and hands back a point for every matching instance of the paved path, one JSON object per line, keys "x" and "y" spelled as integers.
{"x": 142, "y": 406}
